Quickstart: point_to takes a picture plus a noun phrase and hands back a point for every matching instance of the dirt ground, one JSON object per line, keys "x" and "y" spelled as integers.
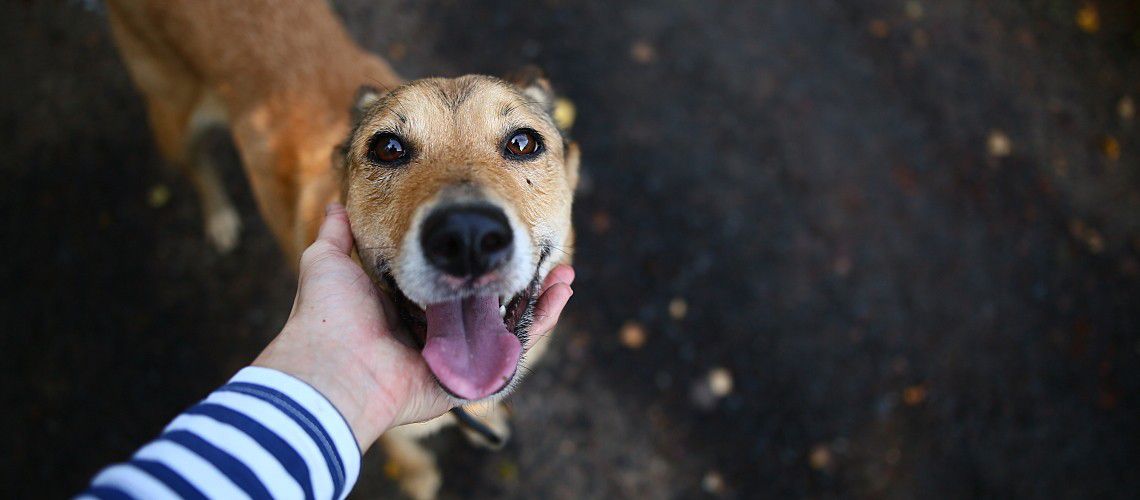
{"x": 873, "y": 248}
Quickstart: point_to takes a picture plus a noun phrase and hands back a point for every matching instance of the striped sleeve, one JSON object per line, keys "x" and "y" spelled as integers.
{"x": 264, "y": 434}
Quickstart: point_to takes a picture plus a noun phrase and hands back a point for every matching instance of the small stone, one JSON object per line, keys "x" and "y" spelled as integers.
{"x": 713, "y": 483}
{"x": 720, "y": 382}
{"x": 158, "y": 196}
{"x": 820, "y": 457}
{"x": 633, "y": 335}
{"x": 642, "y": 52}
{"x": 998, "y": 144}
{"x": 678, "y": 308}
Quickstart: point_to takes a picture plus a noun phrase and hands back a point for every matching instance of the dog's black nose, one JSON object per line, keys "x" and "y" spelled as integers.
{"x": 467, "y": 241}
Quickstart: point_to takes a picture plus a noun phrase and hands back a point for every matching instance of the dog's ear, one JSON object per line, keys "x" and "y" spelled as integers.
{"x": 366, "y": 97}
{"x": 534, "y": 85}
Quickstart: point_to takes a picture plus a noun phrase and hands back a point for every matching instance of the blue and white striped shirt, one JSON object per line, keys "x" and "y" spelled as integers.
{"x": 264, "y": 434}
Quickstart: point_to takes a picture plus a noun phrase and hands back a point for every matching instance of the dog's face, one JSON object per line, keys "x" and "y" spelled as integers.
{"x": 459, "y": 194}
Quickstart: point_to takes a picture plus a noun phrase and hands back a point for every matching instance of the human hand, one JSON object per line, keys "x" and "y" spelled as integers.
{"x": 340, "y": 338}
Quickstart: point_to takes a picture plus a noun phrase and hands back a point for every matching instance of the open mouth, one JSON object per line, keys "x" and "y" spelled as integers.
{"x": 472, "y": 344}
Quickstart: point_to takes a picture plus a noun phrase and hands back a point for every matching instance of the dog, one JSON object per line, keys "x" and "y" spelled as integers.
{"x": 459, "y": 190}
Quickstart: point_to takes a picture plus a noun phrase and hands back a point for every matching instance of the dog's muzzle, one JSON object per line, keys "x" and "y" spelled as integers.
{"x": 467, "y": 241}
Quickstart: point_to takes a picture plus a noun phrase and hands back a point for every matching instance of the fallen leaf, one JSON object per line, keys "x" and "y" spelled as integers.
{"x": 1088, "y": 18}
{"x": 914, "y": 395}
{"x": 508, "y": 471}
{"x": 1110, "y": 146}
{"x": 913, "y": 9}
{"x": 159, "y": 196}
{"x": 879, "y": 28}
{"x": 633, "y": 335}
{"x": 564, "y": 113}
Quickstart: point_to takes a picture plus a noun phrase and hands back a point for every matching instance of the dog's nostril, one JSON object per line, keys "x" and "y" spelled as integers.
{"x": 468, "y": 240}
{"x": 493, "y": 242}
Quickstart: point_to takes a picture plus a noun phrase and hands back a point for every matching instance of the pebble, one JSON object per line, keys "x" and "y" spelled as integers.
{"x": 678, "y": 308}
{"x": 642, "y": 52}
{"x": 998, "y": 144}
{"x": 1126, "y": 108}
{"x": 713, "y": 483}
{"x": 820, "y": 457}
{"x": 720, "y": 382}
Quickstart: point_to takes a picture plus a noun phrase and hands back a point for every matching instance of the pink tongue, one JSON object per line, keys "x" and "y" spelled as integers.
{"x": 468, "y": 347}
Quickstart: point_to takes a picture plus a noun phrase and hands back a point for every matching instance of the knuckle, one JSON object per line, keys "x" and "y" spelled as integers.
{"x": 317, "y": 251}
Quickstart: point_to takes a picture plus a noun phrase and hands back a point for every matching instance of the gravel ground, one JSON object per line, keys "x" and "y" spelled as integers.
{"x": 869, "y": 248}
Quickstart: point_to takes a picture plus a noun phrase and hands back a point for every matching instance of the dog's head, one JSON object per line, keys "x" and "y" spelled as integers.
{"x": 459, "y": 193}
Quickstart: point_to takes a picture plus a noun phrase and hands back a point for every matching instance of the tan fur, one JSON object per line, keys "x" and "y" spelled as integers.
{"x": 455, "y": 146}
{"x": 281, "y": 75}
{"x": 284, "y": 90}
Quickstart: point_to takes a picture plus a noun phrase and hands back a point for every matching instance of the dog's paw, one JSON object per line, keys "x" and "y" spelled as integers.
{"x": 497, "y": 421}
{"x": 223, "y": 228}
{"x": 418, "y": 483}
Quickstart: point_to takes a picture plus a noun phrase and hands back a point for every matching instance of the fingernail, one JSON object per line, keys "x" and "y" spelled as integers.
{"x": 330, "y": 207}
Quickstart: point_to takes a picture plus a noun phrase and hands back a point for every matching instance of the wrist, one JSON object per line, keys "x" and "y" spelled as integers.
{"x": 368, "y": 410}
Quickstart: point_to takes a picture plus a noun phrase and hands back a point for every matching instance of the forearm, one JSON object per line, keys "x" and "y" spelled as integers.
{"x": 263, "y": 434}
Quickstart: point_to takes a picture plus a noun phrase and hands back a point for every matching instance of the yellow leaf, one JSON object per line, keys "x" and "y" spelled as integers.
{"x": 1088, "y": 18}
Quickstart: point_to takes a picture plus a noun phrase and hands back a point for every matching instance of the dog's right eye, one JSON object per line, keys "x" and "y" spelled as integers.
{"x": 387, "y": 148}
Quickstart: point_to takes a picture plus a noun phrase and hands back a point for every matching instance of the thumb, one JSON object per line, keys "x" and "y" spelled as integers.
{"x": 335, "y": 228}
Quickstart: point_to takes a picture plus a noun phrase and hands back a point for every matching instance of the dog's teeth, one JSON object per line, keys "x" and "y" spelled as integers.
{"x": 502, "y": 311}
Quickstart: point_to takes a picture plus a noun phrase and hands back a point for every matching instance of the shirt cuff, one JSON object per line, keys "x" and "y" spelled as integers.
{"x": 313, "y": 413}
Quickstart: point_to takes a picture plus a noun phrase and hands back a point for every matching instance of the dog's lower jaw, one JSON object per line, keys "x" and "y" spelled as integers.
{"x": 517, "y": 314}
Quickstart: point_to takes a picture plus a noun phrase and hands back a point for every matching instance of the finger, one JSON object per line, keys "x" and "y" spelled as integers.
{"x": 561, "y": 273}
{"x": 335, "y": 228}
{"x": 549, "y": 307}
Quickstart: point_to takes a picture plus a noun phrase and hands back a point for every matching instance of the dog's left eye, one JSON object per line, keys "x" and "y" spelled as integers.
{"x": 523, "y": 143}
{"x": 387, "y": 148}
